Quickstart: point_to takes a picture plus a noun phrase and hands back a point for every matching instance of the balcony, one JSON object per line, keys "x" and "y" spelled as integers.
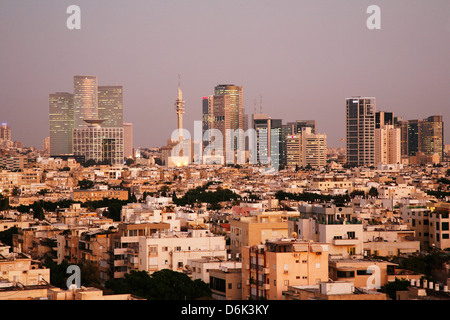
{"x": 345, "y": 242}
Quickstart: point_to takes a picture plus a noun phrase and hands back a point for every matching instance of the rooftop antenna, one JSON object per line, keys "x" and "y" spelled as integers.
{"x": 254, "y": 106}
{"x": 260, "y": 103}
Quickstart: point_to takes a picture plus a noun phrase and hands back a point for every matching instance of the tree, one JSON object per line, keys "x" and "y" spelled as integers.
{"x": 391, "y": 288}
{"x": 373, "y": 192}
{"x": 38, "y": 211}
{"x": 161, "y": 285}
{"x": 7, "y": 236}
{"x": 85, "y": 184}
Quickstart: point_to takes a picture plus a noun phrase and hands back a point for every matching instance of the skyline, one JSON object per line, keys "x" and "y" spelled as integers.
{"x": 304, "y": 57}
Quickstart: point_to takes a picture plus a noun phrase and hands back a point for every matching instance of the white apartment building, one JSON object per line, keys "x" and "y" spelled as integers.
{"x": 173, "y": 250}
{"x": 332, "y": 225}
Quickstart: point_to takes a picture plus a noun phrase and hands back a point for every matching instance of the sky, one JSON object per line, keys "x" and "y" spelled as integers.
{"x": 303, "y": 57}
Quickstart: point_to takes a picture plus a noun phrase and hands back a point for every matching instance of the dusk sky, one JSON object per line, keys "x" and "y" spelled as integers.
{"x": 304, "y": 57}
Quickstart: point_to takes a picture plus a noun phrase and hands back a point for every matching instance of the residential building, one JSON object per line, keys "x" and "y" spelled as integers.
{"x": 173, "y": 250}
{"x": 269, "y": 269}
{"x": 360, "y": 124}
{"x": 256, "y": 229}
{"x": 226, "y": 283}
{"x": 332, "y": 290}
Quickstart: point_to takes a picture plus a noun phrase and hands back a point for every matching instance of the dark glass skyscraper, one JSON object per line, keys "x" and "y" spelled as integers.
{"x": 360, "y": 124}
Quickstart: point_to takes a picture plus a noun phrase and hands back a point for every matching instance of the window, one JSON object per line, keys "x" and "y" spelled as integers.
{"x": 445, "y": 226}
{"x": 230, "y": 286}
{"x": 445, "y": 236}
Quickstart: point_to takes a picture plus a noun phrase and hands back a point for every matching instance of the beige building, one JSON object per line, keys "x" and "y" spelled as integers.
{"x": 226, "y": 283}
{"x": 19, "y": 269}
{"x": 387, "y": 145}
{"x": 334, "y": 290}
{"x": 95, "y": 195}
{"x": 363, "y": 273}
{"x": 254, "y": 230}
{"x": 268, "y": 270}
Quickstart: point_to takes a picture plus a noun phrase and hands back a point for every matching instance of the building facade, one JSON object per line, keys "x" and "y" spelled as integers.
{"x": 360, "y": 124}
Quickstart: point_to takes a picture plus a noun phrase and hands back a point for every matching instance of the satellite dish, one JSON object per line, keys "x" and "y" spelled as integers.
{"x": 294, "y": 234}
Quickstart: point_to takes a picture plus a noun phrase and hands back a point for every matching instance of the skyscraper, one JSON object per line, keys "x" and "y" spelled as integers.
{"x": 61, "y": 114}
{"x": 387, "y": 145}
{"x": 431, "y": 133}
{"x": 268, "y": 136}
{"x": 5, "y": 132}
{"x": 85, "y": 98}
{"x": 360, "y": 125}
{"x": 127, "y": 140}
{"x": 228, "y": 118}
{"x": 110, "y": 105}
{"x": 383, "y": 118}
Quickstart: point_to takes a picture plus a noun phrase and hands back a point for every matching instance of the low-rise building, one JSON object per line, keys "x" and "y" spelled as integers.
{"x": 269, "y": 269}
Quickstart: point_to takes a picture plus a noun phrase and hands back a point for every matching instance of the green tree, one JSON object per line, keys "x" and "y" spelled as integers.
{"x": 6, "y": 237}
{"x": 85, "y": 184}
{"x": 161, "y": 285}
{"x": 391, "y": 288}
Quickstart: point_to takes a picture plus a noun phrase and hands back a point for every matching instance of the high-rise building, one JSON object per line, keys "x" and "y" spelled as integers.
{"x": 383, "y": 118}
{"x": 5, "y": 132}
{"x": 110, "y": 105}
{"x": 228, "y": 118}
{"x": 413, "y": 137}
{"x": 313, "y": 148}
{"x": 360, "y": 125}
{"x": 127, "y": 140}
{"x": 387, "y": 145}
{"x": 431, "y": 136}
{"x": 300, "y": 124}
{"x": 403, "y": 126}
{"x": 293, "y": 150}
{"x": 61, "y": 113}
{"x": 268, "y": 140}
{"x": 207, "y": 120}
{"x": 306, "y": 149}
{"x": 103, "y": 145}
{"x": 85, "y": 98}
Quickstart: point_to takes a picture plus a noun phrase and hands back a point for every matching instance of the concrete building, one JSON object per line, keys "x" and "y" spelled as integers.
{"x": 173, "y": 250}
{"x": 125, "y": 247}
{"x": 329, "y": 224}
{"x": 387, "y": 145}
{"x": 269, "y": 269}
{"x": 255, "y": 230}
{"x": 128, "y": 140}
{"x": 360, "y": 124}
{"x": 226, "y": 283}
{"x": 103, "y": 145}
{"x": 332, "y": 290}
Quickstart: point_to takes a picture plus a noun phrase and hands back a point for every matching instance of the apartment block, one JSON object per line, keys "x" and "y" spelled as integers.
{"x": 226, "y": 283}
{"x": 330, "y": 224}
{"x": 173, "y": 250}
{"x": 254, "y": 230}
{"x": 269, "y": 269}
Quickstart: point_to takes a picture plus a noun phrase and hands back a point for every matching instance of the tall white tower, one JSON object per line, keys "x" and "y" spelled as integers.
{"x": 179, "y": 107}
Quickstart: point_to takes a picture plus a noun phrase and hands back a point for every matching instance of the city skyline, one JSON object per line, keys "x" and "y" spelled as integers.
{"x": 303, "y": 58}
